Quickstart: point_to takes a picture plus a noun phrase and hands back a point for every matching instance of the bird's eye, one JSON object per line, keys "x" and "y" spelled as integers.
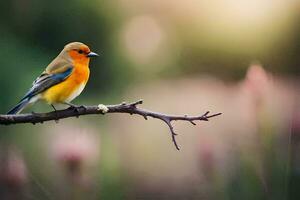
{"x": 80, "y": 51}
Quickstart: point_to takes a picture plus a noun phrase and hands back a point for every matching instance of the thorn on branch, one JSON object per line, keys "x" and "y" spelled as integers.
{"x": 193, "y": 123}
{"x": 139, "y": 102}
{"x": 214, "y": 115}
{"x": 206, "y": 114}
{"x": 134, "y": 104}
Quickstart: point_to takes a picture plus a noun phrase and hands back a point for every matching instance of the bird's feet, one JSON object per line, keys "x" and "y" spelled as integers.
{"x": 76, "y": 108}
{"x": 57, "y": 117}
{"x": 34, "y": 114}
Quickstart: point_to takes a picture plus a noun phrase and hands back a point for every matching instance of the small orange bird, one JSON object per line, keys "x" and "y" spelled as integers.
{"x": 63, "y": 80}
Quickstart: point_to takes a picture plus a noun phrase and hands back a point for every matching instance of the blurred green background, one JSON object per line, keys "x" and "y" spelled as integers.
{"x": 183, "y": 57}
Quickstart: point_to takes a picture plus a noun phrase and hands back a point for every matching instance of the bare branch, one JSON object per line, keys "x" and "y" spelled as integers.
{"x": 130, "y": 108}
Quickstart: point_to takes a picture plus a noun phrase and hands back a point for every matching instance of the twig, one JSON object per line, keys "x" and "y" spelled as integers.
{"x": 130, "y": 108}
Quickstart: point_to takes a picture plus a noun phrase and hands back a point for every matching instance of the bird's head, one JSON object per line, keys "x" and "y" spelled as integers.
{"x": 78, "y": 51}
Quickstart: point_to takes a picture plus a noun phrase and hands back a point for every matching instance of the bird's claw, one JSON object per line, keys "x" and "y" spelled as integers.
{"x": 77, "y": 108}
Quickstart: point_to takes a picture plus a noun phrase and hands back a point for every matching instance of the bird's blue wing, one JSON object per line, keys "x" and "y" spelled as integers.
{"x": 45, "y": 81}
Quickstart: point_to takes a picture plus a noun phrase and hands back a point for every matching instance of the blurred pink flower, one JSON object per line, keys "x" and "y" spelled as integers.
{"x": 13, "y": 171}
{"x": 207, "y": 157}
{"x": 257, "y": 81}
{"x": 74, "y": 148}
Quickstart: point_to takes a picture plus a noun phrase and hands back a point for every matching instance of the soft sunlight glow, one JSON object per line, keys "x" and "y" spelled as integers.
{"x": 142, "y": 38}
{"x": 248, "y": 26}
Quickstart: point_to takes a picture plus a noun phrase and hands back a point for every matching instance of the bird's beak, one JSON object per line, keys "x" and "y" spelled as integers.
{"x": 92, "y": 54}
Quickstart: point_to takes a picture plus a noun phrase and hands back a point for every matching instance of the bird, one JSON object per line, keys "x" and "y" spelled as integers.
{"x": 62, "y": 80}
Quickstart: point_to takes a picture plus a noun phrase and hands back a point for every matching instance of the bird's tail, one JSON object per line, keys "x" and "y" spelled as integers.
{"x": 19, "y": 107}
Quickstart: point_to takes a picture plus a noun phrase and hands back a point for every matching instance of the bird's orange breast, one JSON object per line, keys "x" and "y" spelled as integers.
{"x": 70, "y": 88}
